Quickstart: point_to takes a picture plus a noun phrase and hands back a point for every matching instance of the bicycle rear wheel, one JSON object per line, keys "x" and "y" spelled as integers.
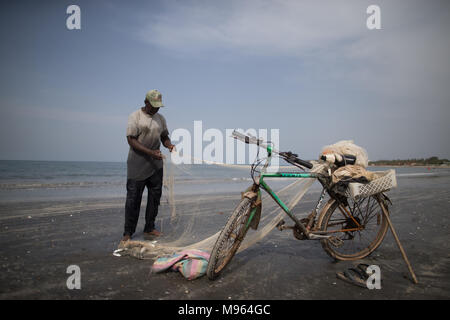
{"x": 353, "y": 244}
{"x": 229, "y": 239}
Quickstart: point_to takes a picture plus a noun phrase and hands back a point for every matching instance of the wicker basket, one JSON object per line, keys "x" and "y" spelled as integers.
{"x": 386, "y": 180}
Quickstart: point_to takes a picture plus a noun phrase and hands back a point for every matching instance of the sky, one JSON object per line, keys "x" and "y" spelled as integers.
{"x": 311, "y": 69}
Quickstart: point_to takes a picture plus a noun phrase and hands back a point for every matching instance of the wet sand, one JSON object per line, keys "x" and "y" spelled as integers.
{"x": 40, "y": 240}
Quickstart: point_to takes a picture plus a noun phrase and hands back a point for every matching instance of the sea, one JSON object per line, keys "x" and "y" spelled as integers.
{"x": 24, "y": 181}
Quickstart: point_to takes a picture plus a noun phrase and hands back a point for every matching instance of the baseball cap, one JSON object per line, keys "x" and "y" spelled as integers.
{"x": 155, "y": 98}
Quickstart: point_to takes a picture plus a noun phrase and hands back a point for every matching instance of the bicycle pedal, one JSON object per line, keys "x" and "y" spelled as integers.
{"x": 280, "y": 225}
{"x": 336, "y": 242}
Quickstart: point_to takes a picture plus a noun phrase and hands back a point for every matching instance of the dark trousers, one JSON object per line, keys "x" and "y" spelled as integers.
{"x": 135, "y": 189}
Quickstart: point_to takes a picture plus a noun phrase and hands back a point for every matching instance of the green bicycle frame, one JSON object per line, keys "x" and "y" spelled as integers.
{"x": 274, "y": 196}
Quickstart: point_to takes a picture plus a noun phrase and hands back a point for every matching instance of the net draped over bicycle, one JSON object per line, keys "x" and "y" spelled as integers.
{"x": 351, "y": 224}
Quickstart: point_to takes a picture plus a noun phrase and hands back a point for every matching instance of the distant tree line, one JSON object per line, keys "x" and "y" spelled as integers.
{"x": 432, "y": 161}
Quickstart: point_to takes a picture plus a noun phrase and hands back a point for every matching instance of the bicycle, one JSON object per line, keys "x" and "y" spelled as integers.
{"x": 347, "y": 228}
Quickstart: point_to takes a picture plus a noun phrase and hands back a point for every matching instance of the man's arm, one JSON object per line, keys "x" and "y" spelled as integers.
{"x": 136, "y": 145}
{"x": 166, "y": 141}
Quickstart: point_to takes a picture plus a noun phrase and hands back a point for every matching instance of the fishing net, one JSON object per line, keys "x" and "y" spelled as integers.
{"x": 195, "y": 221}
{"x": 336, "y": 153}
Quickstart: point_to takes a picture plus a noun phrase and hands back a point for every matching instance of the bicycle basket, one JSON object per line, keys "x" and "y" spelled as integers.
{"x": 386, "y": 180}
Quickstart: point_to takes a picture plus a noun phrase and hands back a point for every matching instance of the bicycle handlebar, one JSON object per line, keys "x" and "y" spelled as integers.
{"x": 304, "y": 163}
{"x": 288, "y": 156}
{"x": 292, "y": 157}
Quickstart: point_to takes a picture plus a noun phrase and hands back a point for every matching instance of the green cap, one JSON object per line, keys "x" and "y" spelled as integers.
{"x": 155, "y": 98}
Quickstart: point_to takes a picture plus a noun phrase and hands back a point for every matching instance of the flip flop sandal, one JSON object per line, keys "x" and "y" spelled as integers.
{"x": 352, "y": 276}
{"x": 363, "y": 268}
{"x": 362, "y": 274}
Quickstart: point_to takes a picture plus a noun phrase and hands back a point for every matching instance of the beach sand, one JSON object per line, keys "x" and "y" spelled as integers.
{"x": 39, "y": 240}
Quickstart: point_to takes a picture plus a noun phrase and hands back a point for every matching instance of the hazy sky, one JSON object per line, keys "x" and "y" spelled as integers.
{"x": 309, "y": 68}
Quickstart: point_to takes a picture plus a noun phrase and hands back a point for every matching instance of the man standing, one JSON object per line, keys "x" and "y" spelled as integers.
{"x": 145, "y": 131}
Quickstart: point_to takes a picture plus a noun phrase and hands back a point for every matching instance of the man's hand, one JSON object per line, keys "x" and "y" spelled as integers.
{"x": 136, "y": 145}
{"x": 168, "y": 144}
{"x": 171, "y": 147}
{"x": 156, "y": 154}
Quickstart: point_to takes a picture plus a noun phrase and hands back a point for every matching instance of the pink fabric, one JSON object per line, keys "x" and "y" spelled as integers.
{"x": 191, "y": 263}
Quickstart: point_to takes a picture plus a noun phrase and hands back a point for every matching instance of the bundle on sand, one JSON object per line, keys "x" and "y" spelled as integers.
{"x": 191, "y": 263}
{"x": 140, "y": 249}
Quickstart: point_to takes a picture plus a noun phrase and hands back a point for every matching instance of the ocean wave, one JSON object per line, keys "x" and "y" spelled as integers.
{"x": 212, "y": 180}
{"x": 56, "y": 185}
{"x": 93, "y": 184}
{"x": 417, "y": 174}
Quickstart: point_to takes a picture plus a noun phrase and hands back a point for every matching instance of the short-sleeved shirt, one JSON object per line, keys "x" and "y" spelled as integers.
{"x": 148, "y": 130}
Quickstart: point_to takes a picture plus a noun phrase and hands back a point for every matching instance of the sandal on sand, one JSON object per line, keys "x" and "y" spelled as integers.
{"x": 352, "y": 276}
{"x": 363, "y": 268}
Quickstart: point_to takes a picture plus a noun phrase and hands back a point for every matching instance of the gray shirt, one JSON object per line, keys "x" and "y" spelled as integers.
{"x": 147, "y": 130}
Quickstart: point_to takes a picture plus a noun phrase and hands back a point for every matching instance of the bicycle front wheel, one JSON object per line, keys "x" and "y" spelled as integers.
{"x": 229, "y": 239}
{"x": 353, "y": 242}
